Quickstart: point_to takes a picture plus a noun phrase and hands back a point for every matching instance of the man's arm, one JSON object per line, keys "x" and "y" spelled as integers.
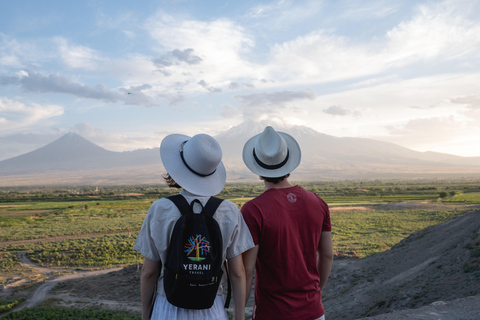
{"x": 148, "y": 281}
{"x": 249, "y": 260}
{"x": 237, "y": 277}
{"x": 325, "y": 257}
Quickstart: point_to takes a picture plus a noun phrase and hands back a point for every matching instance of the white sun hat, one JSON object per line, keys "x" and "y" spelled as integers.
{"x": 194, "y": 163}
{"x": 271, "y": 154}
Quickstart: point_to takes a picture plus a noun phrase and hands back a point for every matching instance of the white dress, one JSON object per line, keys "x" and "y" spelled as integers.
{"x": 162, "y": 309}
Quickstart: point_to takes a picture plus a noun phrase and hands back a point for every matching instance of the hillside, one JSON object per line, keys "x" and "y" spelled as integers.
{"x": 439, "y": 263}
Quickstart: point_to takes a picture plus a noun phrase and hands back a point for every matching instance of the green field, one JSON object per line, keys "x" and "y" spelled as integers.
{"x": 57, "y": 219}
{"x": 473, "y": 197}
{"x": 373, "y": 231}
{"x": 56, "y": 313}
{"x": 87, "y": 229}
{"x": 98, "y": 228}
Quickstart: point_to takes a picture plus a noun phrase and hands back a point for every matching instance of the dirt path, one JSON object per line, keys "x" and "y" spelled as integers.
{"x": 42, "y": 292}
{"x": 24, "y": 261}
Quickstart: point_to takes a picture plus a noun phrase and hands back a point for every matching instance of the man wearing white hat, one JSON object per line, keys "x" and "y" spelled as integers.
{"x": 194, "y": 164}
{"x": 291, "y": 229}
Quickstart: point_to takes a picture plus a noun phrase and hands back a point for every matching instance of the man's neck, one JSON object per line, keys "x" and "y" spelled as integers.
{"x": 280, "y": 185}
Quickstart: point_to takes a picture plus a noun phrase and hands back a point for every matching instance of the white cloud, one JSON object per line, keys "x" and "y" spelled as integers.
{"x": 177, "y": 57}
{"x": 427, "y": 130}
{"x": 36, "y": 82}
{"x": 76, "y": 56}
{"x": 115, "y": 141}
{"x": 261, "y": 11}
{"x": 392, "y": 105}
{"x": 19, "y": 53}
{"x": 256, "y": 105}
{"x": 336, "y": 111}
{"x": 440, "y": 31}
{"x": 9, "y": 60}
{"x": 367, "y": 10}
{"x": 220, "y": 45}
{"x": 439, "y": 34}
{"x": 230, "y": 112}
{"x": 9, "y": 52}
{"x": 129, "y": 34}
{"x": 472, "y": 102}
{"x": 17, "y": 115}
{"x": 441, "y": 134}
{"x": 471, "y": 106}
{"x": 209, "y": 88}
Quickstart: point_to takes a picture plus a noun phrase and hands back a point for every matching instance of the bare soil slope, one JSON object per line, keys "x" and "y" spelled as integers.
{"x": 439, "y": 263}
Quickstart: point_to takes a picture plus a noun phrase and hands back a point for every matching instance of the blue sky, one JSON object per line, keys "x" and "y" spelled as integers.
{"x": 125, "y": 74}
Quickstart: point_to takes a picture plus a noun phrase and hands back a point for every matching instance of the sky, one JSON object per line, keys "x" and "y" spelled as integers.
{"x": 124, "y": 74}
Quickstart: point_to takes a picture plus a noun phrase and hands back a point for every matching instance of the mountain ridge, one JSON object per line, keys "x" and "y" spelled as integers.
{"x": 323, "y": 157}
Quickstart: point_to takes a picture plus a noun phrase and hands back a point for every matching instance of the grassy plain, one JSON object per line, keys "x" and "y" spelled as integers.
{"x": 91, "y": 227}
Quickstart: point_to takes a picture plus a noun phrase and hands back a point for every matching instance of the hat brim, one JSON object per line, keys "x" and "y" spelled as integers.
{"x": 193, "y": 183}
{"x": 292, "y": 163}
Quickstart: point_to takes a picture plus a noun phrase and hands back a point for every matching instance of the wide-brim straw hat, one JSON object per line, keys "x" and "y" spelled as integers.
{"x": 194, "y": 163}
{"x": 271, "y": 154}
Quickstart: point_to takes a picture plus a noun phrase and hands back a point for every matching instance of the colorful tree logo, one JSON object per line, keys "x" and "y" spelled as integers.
{"x": 199, "y": 245}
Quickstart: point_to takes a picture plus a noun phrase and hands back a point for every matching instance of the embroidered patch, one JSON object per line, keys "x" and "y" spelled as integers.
{"x": 292, "y": 198}
{"x": 199, "y": 245}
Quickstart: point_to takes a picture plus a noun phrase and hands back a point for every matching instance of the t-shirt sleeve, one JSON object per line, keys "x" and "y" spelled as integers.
{"x": 241, "y": 239}
{"x": 144, "y": 242}
{"x": 327, "y": 225}
{"x": 251, "y": 216}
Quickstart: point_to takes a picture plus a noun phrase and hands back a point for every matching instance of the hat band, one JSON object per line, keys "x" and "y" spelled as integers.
{"x": 188, "y": 167}
{"x": 273, "y": 166}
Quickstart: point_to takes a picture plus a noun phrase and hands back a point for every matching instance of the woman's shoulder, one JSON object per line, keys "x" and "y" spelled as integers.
{"x": 162, "y": 203}
{"x": 228, "y": 205}
{"x": 162, "y": 209}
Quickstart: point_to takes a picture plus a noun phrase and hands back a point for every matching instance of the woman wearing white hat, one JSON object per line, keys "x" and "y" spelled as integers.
{"x": 194, "y": 164}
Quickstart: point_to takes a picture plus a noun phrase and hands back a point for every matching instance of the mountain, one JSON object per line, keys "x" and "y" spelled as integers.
{"x": 73, "y": 159}
{"x": 71, "y": 153}
{"x": 322, "y": 146}
{"x": 329, "y": 157}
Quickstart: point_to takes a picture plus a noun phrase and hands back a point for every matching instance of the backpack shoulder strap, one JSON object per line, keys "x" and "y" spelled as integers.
{"x": 181, "y": 203}
{"x": 211, "y": 206}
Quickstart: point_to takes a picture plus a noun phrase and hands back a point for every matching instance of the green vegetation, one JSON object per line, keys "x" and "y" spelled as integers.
{"x": 10, "y": 304}
{"x": 8, "y": 261}
{"x": 90, "y": 227}
{"x": 329, "y": 189}
{"x": 108, "y": 228}
{"x": 49, "y": 313}
{"x": 71, "y": 219}
{"x": 372, "y": 231}
{"x": 11, "y": 269}
{"x": 105, "y": 251}
{"x": 464, "y": 198}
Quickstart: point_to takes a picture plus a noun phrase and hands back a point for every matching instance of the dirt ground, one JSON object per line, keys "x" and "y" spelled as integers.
{"x": 432, "y": 274}
{"x": 439, "y": 263}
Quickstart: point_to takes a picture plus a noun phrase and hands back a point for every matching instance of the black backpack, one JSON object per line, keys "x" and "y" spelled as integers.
{"x": 193, "y": 267}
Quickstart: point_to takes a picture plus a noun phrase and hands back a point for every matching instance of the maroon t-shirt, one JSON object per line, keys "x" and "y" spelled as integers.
{"x": 287, "y": 225}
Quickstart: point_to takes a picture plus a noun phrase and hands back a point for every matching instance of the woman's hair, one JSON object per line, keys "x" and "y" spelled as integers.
{"x": 170, "y": 182}
{"x": 275, "y": 180}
